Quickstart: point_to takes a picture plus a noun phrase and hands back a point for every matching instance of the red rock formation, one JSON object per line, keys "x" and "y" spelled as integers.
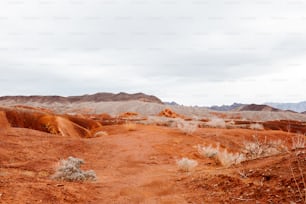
{"x": 31, "y": 118}
{"x": 169, "y": 114}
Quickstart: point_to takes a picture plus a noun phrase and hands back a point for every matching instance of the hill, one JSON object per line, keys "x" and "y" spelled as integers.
{"x": 297, "y": 107}
{"x": 256, "y": 107}
{"x": 227, "y": 107}
{"x": 98, "y": 97}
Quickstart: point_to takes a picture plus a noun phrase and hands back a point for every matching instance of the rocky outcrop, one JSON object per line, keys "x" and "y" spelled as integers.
{"x": 45, "y": 121}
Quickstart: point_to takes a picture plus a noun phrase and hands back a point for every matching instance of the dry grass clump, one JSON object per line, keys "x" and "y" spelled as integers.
{"x": 69, "y": 170}
{"x": 223, "y": 157}
{"x": 257, "y": 126}
{"x": 160, "y": 121}
{"x": 186, "y": 164}
{"x": 187, "y": 127}
{"x": 227, "y": 159}
{"x": 130, "y": 126}
{"x": 299, "y": 142}
{"x": 208, "y": 151}
{"x": 252, "y": 150}
{"x": 299, "y": 179}
{"x": 256, "y": 149}
{"x": 100, "y": 134}
{"x": 216, "y": 123}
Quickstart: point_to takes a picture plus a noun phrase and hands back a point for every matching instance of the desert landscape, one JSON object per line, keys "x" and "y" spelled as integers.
{"x": 137, "y": 149}
{"x": 152, "y": 102}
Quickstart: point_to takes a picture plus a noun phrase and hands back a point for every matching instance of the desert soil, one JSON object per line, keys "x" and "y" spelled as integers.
{"x": 140, "y": 167}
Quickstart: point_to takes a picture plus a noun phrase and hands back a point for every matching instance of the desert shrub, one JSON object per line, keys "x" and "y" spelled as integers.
{"x": 130, "y": 126}
{"x": 216, "y": 123}
{"x": 256, "y": 149}
{"x": 69, "y": 170}
{"x": 187, "y": 127}
{"x": 227, "y": 159}
{"x": 208, "y": 151}
{"x": 299, "y": 178}
{"x": 256, "y": 126}
{"x": 160, "y": 121}
{"x": 186, "y": 164}
{"x": 100, "y": 134}
{"x": 298, "y": 142}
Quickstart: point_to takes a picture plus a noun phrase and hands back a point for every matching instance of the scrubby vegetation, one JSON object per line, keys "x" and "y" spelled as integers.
{"x": 227, "y": 159}
{"x": 186, "y": 164}
{"x": 69, "y": 170}
{"x": 257, "y": 126}
{"x": 256, "y": 148}
{"x": 216, "y": 123}
{"x": 187, "y": 127}
{"x": 208, "y": 151}
{"x": 299, "y": 142}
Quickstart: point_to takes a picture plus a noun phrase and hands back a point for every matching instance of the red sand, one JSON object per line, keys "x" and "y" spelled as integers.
{"x": 140, "y": 166}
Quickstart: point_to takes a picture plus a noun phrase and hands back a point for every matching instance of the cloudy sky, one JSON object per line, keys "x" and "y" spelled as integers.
{"x": 196, "y": 52}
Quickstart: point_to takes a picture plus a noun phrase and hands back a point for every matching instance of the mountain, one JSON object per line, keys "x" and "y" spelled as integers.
{"x": 98, "y": 97}
{"x": 173, "y": 103}
{"x": 244, "y": 107}
{"x": 255, "y": 107}
{"x": 227, "y": 107}
{"x": 297, "y": 107}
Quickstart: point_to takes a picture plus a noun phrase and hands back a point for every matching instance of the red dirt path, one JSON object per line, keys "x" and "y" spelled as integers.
{"x": 140, "y": 167}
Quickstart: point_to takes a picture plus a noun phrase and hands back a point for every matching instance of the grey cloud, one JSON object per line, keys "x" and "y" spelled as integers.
{"x": 86, "y": 46}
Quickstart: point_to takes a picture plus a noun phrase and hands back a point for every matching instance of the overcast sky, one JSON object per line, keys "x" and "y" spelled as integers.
{"x": 196, "y": 52}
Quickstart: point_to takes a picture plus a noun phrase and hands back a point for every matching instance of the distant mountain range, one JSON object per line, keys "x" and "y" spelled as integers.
{"x": 293, "y": 107}
{"x": 104, "y": 97}
{"x": 297, "y": 107}
{"x": 227, "y": 107}
{"x": 244, "y": 107}
{"x": 98, "y": 97}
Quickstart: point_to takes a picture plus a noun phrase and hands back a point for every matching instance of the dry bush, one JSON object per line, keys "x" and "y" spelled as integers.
{"x": 227, "y": 159}
{"x": 69, "y": 170}
{"x": 100, "y": 134}
{"x": 216, "y": 123}
{"x": 186, "y": 164}
{"x": 208, "y": 151}
{"x": 187, "y": 127}
{"x": 130, "y": 126}
{"x": 257, "y": 126}
{"x": 299, "y": 178}
{"x": 298, "y": 142}
{"x": 256, "y": 149}
{"x": 161, "y": 121}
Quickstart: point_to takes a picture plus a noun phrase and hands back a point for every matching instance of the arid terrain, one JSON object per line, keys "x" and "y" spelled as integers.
{"x": 136, "y": 155}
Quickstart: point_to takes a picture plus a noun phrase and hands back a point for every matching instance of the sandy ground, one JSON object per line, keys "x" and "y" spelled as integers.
{"x": 140, "y": 167}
